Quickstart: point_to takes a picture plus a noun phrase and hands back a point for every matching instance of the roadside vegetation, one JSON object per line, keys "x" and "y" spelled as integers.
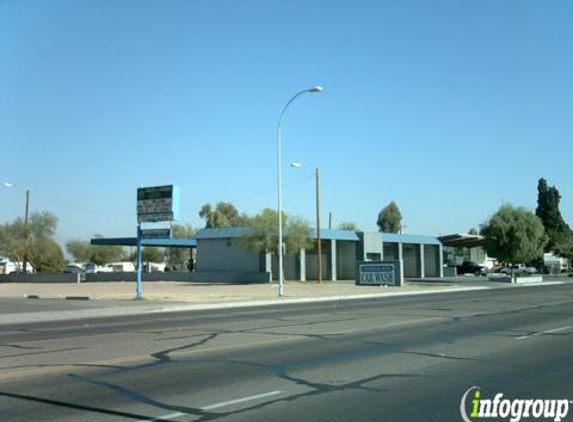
{"x": 514, "y": 235}
{"x": 32, "y": 242}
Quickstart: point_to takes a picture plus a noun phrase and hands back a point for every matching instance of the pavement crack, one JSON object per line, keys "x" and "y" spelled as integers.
{"x": 59, "y": 365}
{"x": 75, "y": 406}
{"x": 133, "y": 395}
{"x": 164, "y": 355}
{"x": 18, "y": 346}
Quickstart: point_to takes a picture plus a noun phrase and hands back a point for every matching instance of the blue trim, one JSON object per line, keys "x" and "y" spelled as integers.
{"x": 234, "y": 232}
{"x": 410, "y": 238}
{"x": 132, "y": 241}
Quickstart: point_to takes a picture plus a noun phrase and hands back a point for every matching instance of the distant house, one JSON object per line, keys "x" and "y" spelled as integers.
{"x": 555, "y": 264}
{"x": 460, "y": 248}
{"x": 120, "y": 267}
{"x": 7, "y": 266}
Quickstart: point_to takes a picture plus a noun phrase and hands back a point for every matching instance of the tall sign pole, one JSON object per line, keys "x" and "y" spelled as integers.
{"x": 138, "y": 263}
{"x": 154, "y": 204}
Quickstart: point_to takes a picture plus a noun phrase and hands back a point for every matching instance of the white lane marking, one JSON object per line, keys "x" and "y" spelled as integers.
{"x": 244, "y": 399}
{"x": 164, "y": 417}
{"x": 215, "y": 406}
{"x": 555, "y": 330}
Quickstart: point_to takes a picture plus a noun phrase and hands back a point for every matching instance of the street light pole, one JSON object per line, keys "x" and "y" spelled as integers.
{"x": 318, "y": 239}
{"x": 279, "y": 181}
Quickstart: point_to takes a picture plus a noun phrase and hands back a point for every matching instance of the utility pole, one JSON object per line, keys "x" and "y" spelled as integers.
{"x": 318, "y": 240}
{"x": 26, "y": 212}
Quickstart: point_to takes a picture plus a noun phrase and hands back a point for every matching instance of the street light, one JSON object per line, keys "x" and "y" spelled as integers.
{"x": 26, "y": 211}
{"x": 318, "y": 240}
{"x": 314, "y": 89}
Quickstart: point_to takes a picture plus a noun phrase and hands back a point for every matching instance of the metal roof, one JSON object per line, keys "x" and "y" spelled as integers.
{"x": 329, "y": 234}
{"x": 410, "y": 238}
{"x": 221, "y": 233}
{"x": 233, "y": 232}
{"x": 462, "y": 240}
{"x": 132, "y": 241}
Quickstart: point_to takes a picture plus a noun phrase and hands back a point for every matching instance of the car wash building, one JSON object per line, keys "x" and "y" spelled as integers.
{"x": 222, "y": 257}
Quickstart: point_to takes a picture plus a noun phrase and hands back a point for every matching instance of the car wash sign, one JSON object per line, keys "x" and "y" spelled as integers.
{"x": 157, "y": 203}
{"x": 379, "y": 273}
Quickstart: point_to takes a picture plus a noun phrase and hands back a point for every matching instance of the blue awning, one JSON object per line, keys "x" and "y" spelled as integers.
{"x": 132, "y": 241}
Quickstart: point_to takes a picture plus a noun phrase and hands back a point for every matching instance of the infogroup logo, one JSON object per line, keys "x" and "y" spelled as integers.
{"x": 512, "y": 409}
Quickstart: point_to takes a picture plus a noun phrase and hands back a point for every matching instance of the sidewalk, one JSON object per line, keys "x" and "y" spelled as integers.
{"x": 114, "y": 299}
{"x": 199, "y": 293}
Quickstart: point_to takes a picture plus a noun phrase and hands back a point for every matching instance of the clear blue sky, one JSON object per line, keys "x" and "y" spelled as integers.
{"x": 450, "y": 108}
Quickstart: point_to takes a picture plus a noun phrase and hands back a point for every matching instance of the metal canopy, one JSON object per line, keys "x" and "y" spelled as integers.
{"x": 132, "y": 241}
{"x": 462, "y": 240}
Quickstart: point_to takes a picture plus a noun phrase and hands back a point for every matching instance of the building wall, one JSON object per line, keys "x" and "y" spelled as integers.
{"x": 291, "y": 267}
{"x": 432, "y": 260}
{"x": 456, "y": 256}
{"x": 311, "y": 264}
{"x": 371, "y": 248}
{"x": 479, "y": 256}
{"x": 411, "y": 256}
{"x": 346, "y": 260}
{"x": 225, "y": 255}
{"x": 391, "y": 251}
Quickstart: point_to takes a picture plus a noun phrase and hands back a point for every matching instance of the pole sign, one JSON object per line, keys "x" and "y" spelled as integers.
{"x": 157, "y": 203}
{"x": 379, "y": 273}
{"x": 156, "y": 233}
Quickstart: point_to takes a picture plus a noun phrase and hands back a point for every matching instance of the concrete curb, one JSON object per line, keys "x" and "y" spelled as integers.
{"x": 32, "y": 317}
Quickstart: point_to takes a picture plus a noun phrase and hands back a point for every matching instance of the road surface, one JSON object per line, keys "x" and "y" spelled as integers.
{"x": 394, "y": 359}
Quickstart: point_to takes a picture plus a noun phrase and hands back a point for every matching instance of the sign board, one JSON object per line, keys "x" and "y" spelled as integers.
{"x": 158, "y": 203}
{"x": 378, "y": 273}
{"x": 156, "y": 233}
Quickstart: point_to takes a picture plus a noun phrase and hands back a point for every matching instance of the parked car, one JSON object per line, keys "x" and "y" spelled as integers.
{"x": 73, "y": 269}
{"x": 91, "y": 268}
{"x": 469, "y": 267}
{"x": 518, "y": 270}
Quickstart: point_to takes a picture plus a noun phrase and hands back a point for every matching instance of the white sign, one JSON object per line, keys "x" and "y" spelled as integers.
{"x": 158, "y": 203}
{"x": 377, "y": 273}
{"x": 156, "y": 233}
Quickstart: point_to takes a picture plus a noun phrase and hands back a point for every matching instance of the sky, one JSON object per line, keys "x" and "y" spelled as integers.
{"x": 450, "y": 108}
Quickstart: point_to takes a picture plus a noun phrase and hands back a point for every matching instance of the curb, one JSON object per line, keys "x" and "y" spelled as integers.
{"x": 51, "y": 316}
{"x": 34, "y": 296}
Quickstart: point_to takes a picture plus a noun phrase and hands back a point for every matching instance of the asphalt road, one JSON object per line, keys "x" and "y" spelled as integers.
{"x": 395, "y": 359}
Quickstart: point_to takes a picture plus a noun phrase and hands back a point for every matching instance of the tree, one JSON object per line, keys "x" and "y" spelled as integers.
{"x": 514, "y": 235}
{"x": 224, "y": 215}
{"x": 390, "y": 219}
{"x": 83, "y": 251}
{"x": 46, "y": 256}
{"x": 473, "y": 231}
{"x": 33, "y": 241}
{"x": 559, "y": 233}
{"x": 12, "y": 241}
{"x": 152, "y": 254}
{"x": 80, "y": 250}
{"x": 263, "y": 233}
{"x": 348, "y": 225}
{"x": 179, "y": 259}
{"x": 149, "y": 254}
